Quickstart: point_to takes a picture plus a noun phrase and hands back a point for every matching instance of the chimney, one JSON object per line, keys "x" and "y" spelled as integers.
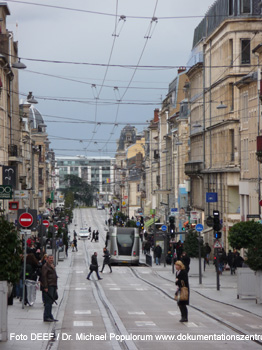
{"x": 181, "y": 70}
{"x": 156, "y": 115}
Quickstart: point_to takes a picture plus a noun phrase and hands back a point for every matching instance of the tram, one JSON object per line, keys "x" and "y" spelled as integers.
{"x": 123, "y": 245}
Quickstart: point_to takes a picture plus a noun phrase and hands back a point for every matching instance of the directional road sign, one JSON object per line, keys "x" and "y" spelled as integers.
{"x": 163, "y": 227}
{"x": 138, "y": 223}
{"x": 26, "y": 220}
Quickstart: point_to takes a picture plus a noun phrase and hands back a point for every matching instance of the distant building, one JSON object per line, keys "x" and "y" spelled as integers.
{"x": 96, "y": 171}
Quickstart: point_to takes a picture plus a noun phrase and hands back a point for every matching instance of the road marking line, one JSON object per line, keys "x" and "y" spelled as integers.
{"x": 84, "y": 312}
{"x": 144, "y": 323}
{"x": 114, "y": 288}
{"x": 83, "y": 324}
{"x": 80, "y": 288}
{"x": 136, "y": 313}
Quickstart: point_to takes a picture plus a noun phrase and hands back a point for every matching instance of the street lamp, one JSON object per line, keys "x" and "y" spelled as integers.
{"x": 221, "y": 106}
{"x": 19, "y": 65}
{"x": 31, "y": 99}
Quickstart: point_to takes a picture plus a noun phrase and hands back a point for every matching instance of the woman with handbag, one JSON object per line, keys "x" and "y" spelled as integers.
{"x": 182, "y": 293}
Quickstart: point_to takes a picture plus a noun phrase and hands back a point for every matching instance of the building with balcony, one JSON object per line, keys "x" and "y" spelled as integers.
{"x": 225, "y": 37}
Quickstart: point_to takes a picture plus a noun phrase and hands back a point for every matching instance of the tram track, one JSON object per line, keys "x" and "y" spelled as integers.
{"x": 116, "y": 325}
{"x": 230, "y": 326}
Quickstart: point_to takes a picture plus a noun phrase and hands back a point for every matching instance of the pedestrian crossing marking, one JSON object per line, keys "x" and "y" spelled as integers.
{"x": 254, "y": 326}
{"x": 79, "y": 271}
{"x": 174, "y": 313}
{"x": 235, "y": 314}
{"x": 83, "y": 324}
{"x": 80, "y": 288}
{"x": 144, "y": 323}
{"x": 82, "y": 312}
{"x": 191, "y": 324}
{"x": 115, "y": 288}
{"x": 136, "y": 313}
{"x": 141, "y": 289}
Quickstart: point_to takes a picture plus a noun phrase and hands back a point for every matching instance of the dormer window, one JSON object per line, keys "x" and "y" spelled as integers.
{"x": 245, "y": 6}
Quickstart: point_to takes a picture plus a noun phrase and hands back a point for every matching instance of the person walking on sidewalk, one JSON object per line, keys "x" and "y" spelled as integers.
{"x": 182, "y": 278}
{"x": 49, "y": 285}
{"x": 158, "y": 253}
{"x": 75, "y": 243}
{"x": 106, "y": 261}
{"x": 94, "y": 266}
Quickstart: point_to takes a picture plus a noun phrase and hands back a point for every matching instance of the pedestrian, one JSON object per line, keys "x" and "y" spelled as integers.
{"x": 158, "y": 253}
{"x": 231, "y": 262}
{"x": 31, "y": 275}
{"x": 207, "y": 252}
{"x": 49, "y": 285}
{"x": 93, "y": 236}
{"x": 94, "y": 266}
{"x": 186, "y": 261}
{"x": 75, "y": 243}
{"x": 106, "y": 261}
{"x": 182, "y": 279}
{"x": 222, "y": 260}
{"x": 96, "y": 236}
{"x": 147, "y": 247}
{"x": 42, "y": 262}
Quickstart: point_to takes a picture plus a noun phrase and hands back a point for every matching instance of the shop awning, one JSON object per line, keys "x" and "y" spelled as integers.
{"x": 151, "y": 221}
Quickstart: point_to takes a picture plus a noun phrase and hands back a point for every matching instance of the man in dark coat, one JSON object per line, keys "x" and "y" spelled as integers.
{"x": 106, "y": 261}
{"x": 182, "y": 279}
{"x": 94, "y": 266}
{"x": 93, "y": 236}
{"x": 49, "y": 286}
{"x": 158, "y": 253}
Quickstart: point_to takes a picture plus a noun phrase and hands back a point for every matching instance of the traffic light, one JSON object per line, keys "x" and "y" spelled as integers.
{"x": 217, "y": 235}
{"x": 141, "y": 223}
{"x": 117, "y": 208}
{"x": 171, "y": 219}
{"x": 172, "y": 223}
{"x": 216, "y": 224}
{"x": 185, "y": 226}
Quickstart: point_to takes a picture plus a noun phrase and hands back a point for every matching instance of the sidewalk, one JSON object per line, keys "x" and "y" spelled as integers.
{"x": 25, "y": 325}
{"x": 228, "y": 287}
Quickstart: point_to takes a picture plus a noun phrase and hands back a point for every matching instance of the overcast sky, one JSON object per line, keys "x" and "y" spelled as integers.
{"x": 79, "y": 95}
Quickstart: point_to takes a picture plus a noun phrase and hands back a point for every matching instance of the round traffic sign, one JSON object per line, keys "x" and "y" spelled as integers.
{"x": 46, "y": 223}
{"x": 26, "y": 220}
{"x": 56, "y": 227}
{"x": 138, "y": 223}
{"x": 199, "y": 227}
{"x": 163, "y": 227}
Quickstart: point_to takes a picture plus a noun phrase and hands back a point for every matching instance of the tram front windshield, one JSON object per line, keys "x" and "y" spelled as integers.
{"x": 125, "y": 241}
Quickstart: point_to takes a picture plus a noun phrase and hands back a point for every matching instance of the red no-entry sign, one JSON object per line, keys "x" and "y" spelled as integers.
{"x": 56, "y": 227}
{"x": 46, "y": 223}
{"x": 26, "y": 220}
